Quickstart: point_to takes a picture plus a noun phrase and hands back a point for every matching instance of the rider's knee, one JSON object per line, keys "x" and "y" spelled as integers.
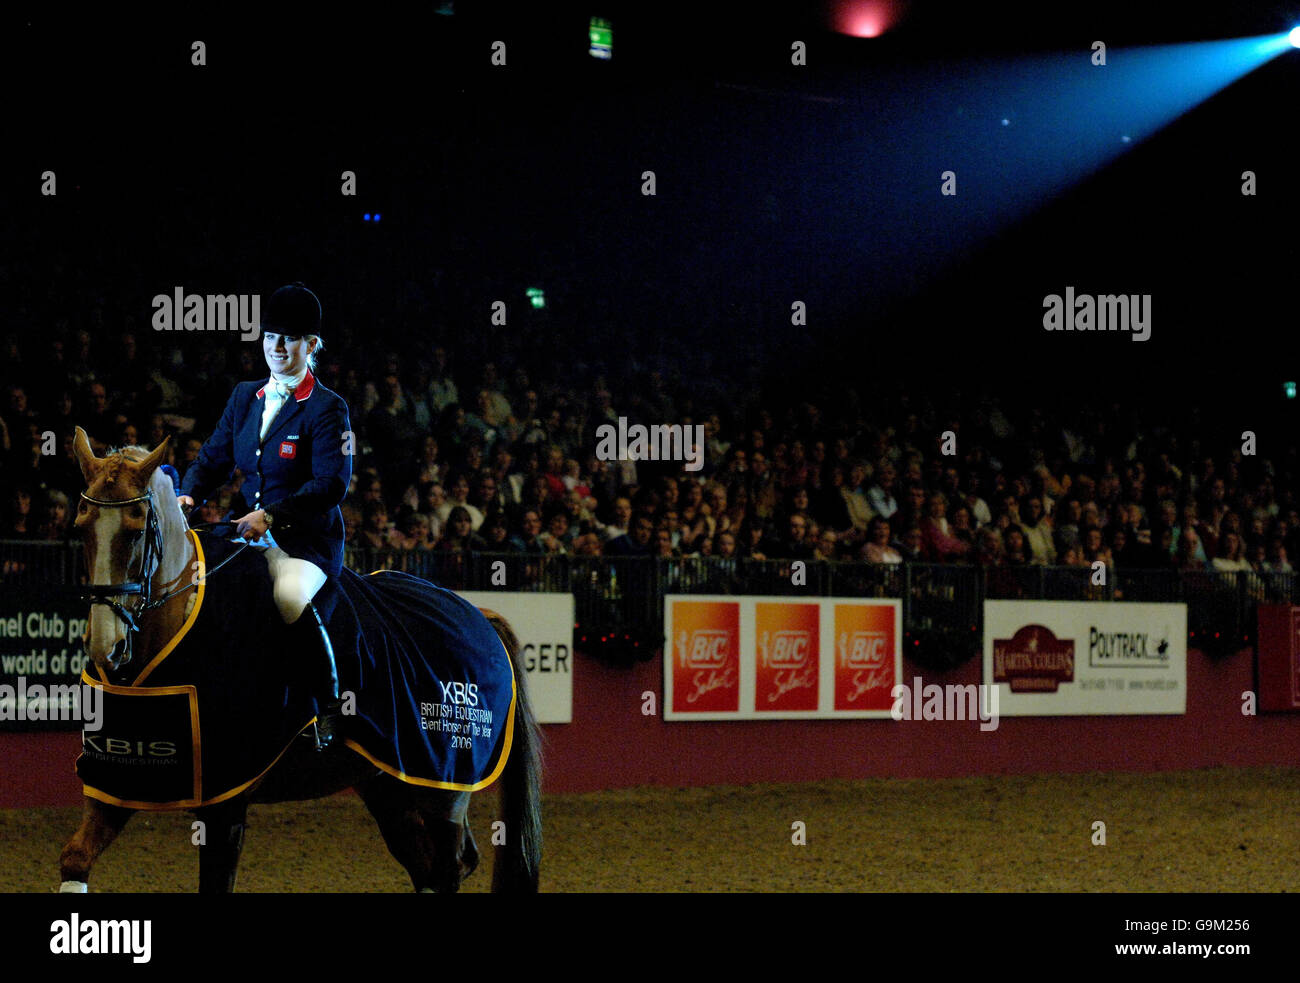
{"x": 290, "y": 602}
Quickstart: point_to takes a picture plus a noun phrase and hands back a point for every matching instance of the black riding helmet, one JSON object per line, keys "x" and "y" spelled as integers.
{"x": 292, "y": 310}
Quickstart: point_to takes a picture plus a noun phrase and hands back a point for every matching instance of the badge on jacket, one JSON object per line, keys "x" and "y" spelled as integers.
{"x": 288, "y": 449}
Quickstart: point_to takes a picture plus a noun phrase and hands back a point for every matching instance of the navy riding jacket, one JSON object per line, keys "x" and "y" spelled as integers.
{"x": 299, "y": 474}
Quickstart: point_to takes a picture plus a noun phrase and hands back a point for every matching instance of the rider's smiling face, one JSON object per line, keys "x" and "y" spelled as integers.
{"x": 286, "y": 355}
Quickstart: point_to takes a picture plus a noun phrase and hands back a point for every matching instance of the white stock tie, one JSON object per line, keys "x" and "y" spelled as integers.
{"x": 276, "y": 394}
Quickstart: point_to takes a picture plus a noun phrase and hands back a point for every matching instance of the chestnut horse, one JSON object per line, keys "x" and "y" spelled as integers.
{"x": 137, "y": 547}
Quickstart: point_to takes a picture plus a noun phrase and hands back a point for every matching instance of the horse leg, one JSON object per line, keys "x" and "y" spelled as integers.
{"x": 469, "y": 851}
{"x": 100, "y": 824}
{"x": 424, "y": 841}
{"x": 223, "y": 840}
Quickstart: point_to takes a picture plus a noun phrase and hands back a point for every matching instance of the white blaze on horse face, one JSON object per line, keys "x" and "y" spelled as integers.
{"x": 106, "y": 629}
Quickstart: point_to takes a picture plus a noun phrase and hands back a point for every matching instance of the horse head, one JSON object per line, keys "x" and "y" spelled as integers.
{"x": 124, "y": 518}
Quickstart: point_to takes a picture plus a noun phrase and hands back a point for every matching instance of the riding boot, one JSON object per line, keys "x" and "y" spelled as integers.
{"x": 330, "y": 706}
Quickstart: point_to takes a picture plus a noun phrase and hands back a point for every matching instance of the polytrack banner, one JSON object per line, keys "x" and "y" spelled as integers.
{"x": 544, "y": 625}
{"x": 1083, "y": 658}
{"x": 775, "y": 658}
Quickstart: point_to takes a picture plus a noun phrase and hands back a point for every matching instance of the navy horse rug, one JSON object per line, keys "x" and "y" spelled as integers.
{"x": 428, "y": 689}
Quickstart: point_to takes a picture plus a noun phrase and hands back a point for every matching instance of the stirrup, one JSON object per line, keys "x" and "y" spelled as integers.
{"x": 325, "y": 727}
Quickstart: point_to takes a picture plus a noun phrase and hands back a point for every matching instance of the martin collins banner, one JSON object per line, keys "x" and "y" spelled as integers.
{"x": 753, "y": 658}
{"x": 1083, "y": 658}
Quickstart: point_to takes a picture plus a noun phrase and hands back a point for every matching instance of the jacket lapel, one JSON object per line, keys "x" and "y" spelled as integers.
{"x": 280, "y": 425}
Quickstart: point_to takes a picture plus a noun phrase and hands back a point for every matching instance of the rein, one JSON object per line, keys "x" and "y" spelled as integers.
{"x": 153, "y": 554}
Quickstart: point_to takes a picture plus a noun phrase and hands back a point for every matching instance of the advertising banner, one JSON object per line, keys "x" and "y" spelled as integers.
{"x": 1057, "y": 658}
{"x": 544, "y": 624}
{"x": 753, "y": 658}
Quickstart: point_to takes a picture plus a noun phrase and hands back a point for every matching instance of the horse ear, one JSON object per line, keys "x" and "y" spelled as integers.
{"x": 85, "y": 456}
{"x": 146, "y": 468}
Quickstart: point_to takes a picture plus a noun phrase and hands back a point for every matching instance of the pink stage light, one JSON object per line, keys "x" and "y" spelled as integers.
{"x": 865, "y": 18}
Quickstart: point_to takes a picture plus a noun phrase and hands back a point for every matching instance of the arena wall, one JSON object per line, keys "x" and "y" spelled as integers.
{"x": 611, "y": 743}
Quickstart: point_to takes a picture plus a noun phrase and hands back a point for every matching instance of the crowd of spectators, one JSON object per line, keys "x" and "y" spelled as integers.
{"x": 460, "y": 453}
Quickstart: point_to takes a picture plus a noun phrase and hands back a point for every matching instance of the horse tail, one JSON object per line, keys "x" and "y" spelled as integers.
{"x": 517, "y": 862}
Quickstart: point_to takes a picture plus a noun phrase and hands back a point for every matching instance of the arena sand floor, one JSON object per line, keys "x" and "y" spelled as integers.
{"x": 1208, "y": 830}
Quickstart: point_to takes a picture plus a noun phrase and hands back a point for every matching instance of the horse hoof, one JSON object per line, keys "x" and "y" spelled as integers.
{"x": 74, "y": 887}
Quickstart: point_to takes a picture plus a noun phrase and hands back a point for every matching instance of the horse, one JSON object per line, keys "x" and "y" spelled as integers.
{"x": 137, "y": 544}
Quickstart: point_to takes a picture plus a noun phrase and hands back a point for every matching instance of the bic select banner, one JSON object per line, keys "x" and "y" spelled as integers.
{"x": 755, "y": 658}
{"x": 1056, "y": 658}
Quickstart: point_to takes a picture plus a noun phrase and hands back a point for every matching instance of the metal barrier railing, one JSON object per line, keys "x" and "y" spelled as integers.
{"x": 625, "y": 593}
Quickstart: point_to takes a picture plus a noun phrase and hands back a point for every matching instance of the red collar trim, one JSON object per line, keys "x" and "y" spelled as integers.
{"x": 302, "y": 392}
{"x": 305, "y": 387}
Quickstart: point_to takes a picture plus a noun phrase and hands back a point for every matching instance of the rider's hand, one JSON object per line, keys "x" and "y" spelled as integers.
{"x": 185, "y": 501}
{"x": 252, "y": 526}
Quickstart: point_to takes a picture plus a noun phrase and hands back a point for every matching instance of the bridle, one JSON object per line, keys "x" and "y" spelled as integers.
{"x": 105, "y": 594}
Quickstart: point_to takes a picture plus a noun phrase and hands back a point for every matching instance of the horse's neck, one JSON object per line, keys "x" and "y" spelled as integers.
{"x": 177, "y": 561}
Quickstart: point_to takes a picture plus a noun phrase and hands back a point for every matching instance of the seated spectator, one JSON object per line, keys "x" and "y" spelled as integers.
{"x": 1275, "y": 558}
{"x": 458, "y": 535}
{"x": 796, "y": 545}
{"x": 979, "y": 509}
{"x": 754, "y": 540}
{"x": 1095, "y": 549}
{"x": 856, "y": 502}
{"x": 351, "y": 518}
{"x": 428, "y": 467}
{"x": 880, "y": 496}
{"x": 988, "y": 547}
{"x": 829, "y": 506}
{"x": 55, "y": 523}
{"x": 725, "y": 545}
{"x": 638, "y": 542}
{"x": 621, "y": 522}
{"x": 588, "y": 544}
{"x": 1038, "y": 531}
{"x": 1231, "y": 556}
{"x": 941, "y": 546}
{"x": 559, "y": 534}
{"x": 913, "y": 511}
{"x": 496, "y": 533}
{"x": 961, "y": 526}
{"x": 1017, "y": 552}
{"x": 374, "y": 531}
{"x": 1188, "y": 554}
{"x": 430, "y": 505}
{"x": 827, "y": 545}
{"x": 412, "y": 532}
{"x": 911, "y": 545}
{"x": 878, "y": 548}
{"x": 529, "y": 539}
{"x": 458, "y": 497}
{"x": 663, "y": 544}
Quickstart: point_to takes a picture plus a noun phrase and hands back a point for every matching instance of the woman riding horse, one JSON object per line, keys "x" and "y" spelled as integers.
{"x": 287, "y": 437}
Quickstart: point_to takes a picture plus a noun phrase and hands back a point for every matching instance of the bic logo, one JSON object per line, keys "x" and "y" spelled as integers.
{"x": 862, "y": 649}
{"x": 704, "y": 648}
{"x": 784, "y": 649}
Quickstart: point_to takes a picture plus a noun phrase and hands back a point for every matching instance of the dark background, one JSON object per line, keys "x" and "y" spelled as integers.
{"x": 492, "y": 179}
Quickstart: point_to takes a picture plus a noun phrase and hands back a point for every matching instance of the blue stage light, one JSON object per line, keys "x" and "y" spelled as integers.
{"x": 365, "y": 217}
{"x": 1294, "y": 37}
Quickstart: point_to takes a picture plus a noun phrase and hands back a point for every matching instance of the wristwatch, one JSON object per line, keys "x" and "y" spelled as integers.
{"x": 268, "y": 518}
